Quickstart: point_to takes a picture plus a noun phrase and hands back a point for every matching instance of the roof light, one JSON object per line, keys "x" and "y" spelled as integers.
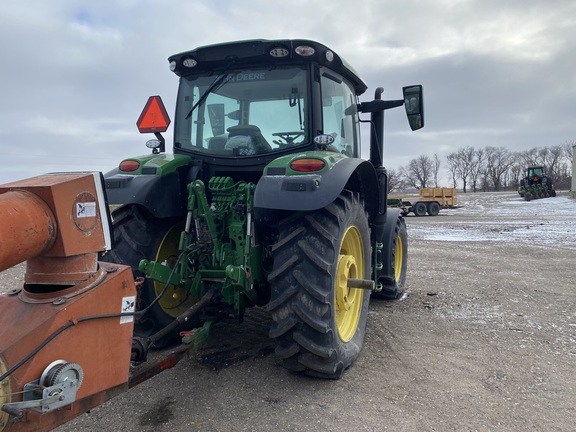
{"x": 305, "y": 50}
{"x": 172, "y": 66}
{"x": 189, "y": 62}
{"x": 129, "y": 165}
{"x": 279, "y": 52}
{"x": 329, "y": 55}
{"x": 307, "y": 165}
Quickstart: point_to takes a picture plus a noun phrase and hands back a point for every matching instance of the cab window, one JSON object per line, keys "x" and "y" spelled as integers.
{"x": 339, "y": 114}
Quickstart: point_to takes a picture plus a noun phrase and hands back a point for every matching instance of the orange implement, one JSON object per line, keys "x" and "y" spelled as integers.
{"x": 28, "y": 227}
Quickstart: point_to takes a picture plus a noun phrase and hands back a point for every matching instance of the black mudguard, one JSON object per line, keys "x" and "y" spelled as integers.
{"x": 309, "y": 192}
{"x": 162, "y": 195}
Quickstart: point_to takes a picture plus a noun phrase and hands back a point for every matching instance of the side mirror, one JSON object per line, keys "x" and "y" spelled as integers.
{"x": 414, "y": 104}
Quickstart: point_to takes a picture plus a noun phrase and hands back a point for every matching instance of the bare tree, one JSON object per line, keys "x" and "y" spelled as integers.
{"x": 395, "y": 180}
{"x": 419, "y": 171}
{"x": 517, "y": 169}
{"x": 478, "y": 160}
{"x": 462, "y": 162}
{"x": 436, "y": 169}
{"x": 498, "y": 168}
{"x": 453, "y": 168}
{"x": 498, "y": 162}
{"x": 569, "y": 150}
{"x": 529, "y": 157}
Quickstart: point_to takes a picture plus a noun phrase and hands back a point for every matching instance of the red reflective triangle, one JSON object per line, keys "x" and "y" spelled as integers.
{"x": 154, "y": 117}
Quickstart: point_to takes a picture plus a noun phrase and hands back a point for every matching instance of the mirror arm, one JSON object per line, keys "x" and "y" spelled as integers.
{"x": 379, "y": 105}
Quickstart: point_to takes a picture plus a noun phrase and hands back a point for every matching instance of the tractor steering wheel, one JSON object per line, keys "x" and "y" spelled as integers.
{"x": 288, "y": 137}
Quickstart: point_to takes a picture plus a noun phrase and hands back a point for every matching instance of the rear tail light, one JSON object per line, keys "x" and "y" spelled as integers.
{"x": 307, "y": 165}
{"x": 129, "y": 165}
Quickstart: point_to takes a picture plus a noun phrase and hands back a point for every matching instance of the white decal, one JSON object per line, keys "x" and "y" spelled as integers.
{"x": 128, "y": 305}
{"x": 84, "y": 210}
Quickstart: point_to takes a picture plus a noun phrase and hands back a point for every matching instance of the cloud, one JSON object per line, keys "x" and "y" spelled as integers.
{"x": 76, "y": 74}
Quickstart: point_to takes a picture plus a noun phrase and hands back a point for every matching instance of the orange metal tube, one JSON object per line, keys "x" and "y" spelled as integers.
{"x": 27, "y": 227}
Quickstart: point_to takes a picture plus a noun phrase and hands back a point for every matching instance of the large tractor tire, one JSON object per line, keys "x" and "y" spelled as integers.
{"x": 138, "y": 236}
{"x": 318, "y": 321}
{"x": 394, "y": 258}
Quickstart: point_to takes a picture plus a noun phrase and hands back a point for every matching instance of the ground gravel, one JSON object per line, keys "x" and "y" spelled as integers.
{"x": 485, "y": 340}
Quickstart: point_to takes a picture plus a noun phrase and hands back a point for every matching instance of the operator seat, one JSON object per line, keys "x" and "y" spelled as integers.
{"x": 247, "y": 139}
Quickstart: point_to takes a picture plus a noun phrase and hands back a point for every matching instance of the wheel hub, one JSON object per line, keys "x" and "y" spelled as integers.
{"x": 346, "y": 270}
{"x": 348, "y": 301}
{"x": 398, "y": 259}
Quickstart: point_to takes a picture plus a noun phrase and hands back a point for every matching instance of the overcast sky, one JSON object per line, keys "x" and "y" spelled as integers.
{"x": 76, "y": 74}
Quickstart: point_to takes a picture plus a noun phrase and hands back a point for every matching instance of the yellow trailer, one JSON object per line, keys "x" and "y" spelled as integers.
{"x": 430, "y": 200}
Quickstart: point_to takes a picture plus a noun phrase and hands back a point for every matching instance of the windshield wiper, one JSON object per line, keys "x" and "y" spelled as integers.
{"x": 215, "y": 84}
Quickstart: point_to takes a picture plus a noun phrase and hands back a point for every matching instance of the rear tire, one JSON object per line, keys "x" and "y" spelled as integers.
{"x": 138, "y": 236}
{"x": 319, "y": 322}
{"x": 419, "y": 209}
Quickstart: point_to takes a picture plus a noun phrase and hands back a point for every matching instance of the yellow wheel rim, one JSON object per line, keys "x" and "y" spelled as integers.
{"x": 175, "y": 300}
{"x": 348, "y": 302}
{"x": 398, "y": 259}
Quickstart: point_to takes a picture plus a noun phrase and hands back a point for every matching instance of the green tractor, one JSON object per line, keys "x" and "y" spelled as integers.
{"x": 265, "y": 202}
{"x": 536, "y": 184}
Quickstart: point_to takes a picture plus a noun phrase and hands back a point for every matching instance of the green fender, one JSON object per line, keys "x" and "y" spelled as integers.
{"x": 282, "y": 188}
{"x": 156, "y": 185}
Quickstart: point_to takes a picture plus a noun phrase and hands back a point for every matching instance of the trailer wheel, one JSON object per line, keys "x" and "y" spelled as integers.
{"x": 318, "y": 321}
{"x": 419, "y": 208}
{"x": 138, "y": 236}
{"x": 394, "y": 258}
{"x": 433, "y": 208}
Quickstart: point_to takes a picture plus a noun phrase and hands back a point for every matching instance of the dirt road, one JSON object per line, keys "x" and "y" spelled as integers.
{"x": 484, "y": 341}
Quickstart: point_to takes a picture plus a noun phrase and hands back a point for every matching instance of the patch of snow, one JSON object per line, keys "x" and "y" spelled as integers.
{"x": 502, "y": 217}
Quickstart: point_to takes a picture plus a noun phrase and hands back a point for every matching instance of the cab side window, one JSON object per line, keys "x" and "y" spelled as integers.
{"x": 339, "y": 115}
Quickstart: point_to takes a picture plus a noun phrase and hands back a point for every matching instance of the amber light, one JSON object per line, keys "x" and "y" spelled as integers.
{"x": 129, "y": 165}
{"x": 307, "y": 165}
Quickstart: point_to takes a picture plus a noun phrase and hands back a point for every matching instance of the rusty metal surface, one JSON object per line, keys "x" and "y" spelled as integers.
{"x": 72, "y": 199}
{"x": 61, "y": 270}
{"x": 100, "y": 345}
{"x": 27, "y": 228}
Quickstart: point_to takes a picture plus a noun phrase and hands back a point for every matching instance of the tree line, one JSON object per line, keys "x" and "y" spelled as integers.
{"x": 485, "y": 169}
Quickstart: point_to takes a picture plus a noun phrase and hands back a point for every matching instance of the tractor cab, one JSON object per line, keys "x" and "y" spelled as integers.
{"x": 535, "y": 174}
{"x": 268, "y": 98}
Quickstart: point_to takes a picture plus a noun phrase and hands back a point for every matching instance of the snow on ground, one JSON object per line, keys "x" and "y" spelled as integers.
{"x": 501, "y": 217}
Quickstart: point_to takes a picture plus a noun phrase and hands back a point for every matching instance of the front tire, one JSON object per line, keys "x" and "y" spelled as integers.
{"x": 394, "y": 258}
{"x": 137, "y": 236}
{"x": 319, "y": 322}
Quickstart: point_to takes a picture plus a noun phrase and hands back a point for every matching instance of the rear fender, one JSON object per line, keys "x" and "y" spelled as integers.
{"x": 281, "y": 188}
{"x": 159, "y": 185}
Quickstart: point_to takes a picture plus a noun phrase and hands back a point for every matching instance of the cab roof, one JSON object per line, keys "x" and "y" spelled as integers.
{"x": 255, "y": 52}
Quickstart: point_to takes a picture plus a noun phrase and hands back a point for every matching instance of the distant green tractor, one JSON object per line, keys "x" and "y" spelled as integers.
{"x": 536, "y": 184}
